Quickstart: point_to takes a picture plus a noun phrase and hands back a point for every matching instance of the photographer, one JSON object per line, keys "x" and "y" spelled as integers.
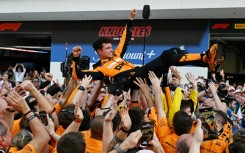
{"x": 20, "y": 73}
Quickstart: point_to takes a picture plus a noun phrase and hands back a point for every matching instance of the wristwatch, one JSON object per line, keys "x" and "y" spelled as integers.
{"x": 125, "y": 131}
{"x": 81, "y": 88}
{"x": 118, "y": 149}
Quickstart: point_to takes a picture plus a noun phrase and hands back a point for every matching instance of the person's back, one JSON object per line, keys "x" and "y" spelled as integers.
{"x": 182, "y": 123}
{"x": 93, "y": 137}
{"x": 224, "y": 138}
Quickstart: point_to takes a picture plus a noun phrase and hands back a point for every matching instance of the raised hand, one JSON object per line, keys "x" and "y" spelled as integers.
{"x": 76, "y": 51}
{"x": 125, "y": 118}
{"x": 48, "y": 76}
{"x": 17, "y": 102}
{"x": 86, "y": 81}
{"x": 27, "y": 85}
{"x": 78, "y": 112}
{"x": 198, "y": 134}
{"x": 20, "y": 91}
{"x": 176, "y": 73}
{"x": 142, "y": 84}
{"x": 133, "y": 13}
{"x": 192, "y": 80}
{"x": 110, "y": 115}
{"x": 154, "y": 79}
{"x": 222, "y": 73}
{"x": 131, "y": 141}
{"x": 212, "y": 88}
{"x": 156, "y": 145}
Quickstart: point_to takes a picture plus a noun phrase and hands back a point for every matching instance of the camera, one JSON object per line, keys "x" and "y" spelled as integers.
{"x": 222, "y": 92}
{"x": 116, "y": 86}
{"x": 83, "y": 63}
{"x": 54, "y": 89}
{"x": 147, "y": 130}
{"x": 43, "y": 117}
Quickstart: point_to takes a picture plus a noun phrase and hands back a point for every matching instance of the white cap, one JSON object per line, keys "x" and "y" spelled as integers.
{"x": 145, "y": 151}
{"x": 238, "y": 91}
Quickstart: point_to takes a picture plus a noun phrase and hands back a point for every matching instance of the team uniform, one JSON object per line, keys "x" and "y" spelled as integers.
{"x": 120, "y": 69}
{"x": 27, "y": 149}
{"x": 220, "y": 144}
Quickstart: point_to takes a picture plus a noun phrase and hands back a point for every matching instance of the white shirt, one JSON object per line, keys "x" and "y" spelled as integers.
{"x": 19, "y": 77}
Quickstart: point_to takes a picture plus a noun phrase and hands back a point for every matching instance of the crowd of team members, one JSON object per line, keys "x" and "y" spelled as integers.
{"x": 85, "y": 117}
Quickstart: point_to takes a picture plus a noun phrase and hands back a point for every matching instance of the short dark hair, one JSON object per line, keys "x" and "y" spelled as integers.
{"x": 66, "y": 116}
{"x": 182, "y": 123}
{"x": 97, "y": 44}
{"x": 136, "y": 115}
{"x": 221, "y": 116}
{"x": 21, "y": 68}
{"x": 96, "y": 125}
{"x": 187, "y": 103}
{"x": 71, "y": 142}
{"x": 85, "y": 125}
{"x": 31, "y": 104}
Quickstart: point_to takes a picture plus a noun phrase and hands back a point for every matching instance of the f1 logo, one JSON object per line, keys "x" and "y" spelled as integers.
{"x": 10, "y": 26}
{"x": 220, "y": 26}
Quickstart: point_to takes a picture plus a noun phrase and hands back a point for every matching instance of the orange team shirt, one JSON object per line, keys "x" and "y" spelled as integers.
{"x": 29, "y": 148}
{"x": 220, "y": 144}
{"x": 16, "y": 127}
{"x": 60, "y": 130}
{"x": 115, "y": 65}
{"x": 92, "y": 145}
{"x": 69, "y": 101}
{"x": 167, "y": 137}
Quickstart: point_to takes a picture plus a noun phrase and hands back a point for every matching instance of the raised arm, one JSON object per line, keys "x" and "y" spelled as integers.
{"x": 74, "y": 126}
{"x": 157, "y": 92}
{"x": 123, "y": 133}
{"x": 130, "y": 142}
{"x": 94, "y": 93}
{"x": 107, "y": 127}
{"x": 14, "y": 69}
{"x": 197, "y": 138}
{"x": 80, "y": 92}
{"x": 41, "y": 100}
{"x": 178, "y": 95}
{"x": 126, "y": 36}
{"x": 145, "y": 90}
{"x": 24, "y": 69}
{"x": 213, "y": 89}
{"x": 194, "y": 92}
{"x": 40, "y": 136}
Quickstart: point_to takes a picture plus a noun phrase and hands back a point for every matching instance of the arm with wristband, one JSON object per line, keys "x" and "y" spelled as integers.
{"x": 41, "y": 100}
{"x": 74, "y": 126}
{"x": 80, "y": 92}
{"x": 40, "y": 136}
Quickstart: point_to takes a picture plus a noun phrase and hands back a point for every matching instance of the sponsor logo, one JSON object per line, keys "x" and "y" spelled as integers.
{"x": 118, "y": 31}
{"x": 10, "y": 26}
{"x": 239, "y": 26}
{"x": 220, "y": 26}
